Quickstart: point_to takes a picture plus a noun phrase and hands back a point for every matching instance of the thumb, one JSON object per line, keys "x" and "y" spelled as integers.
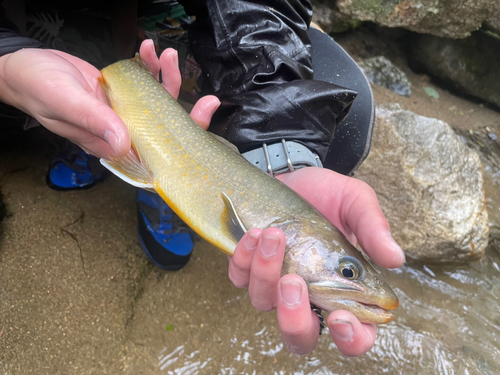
{"x": 96, "y": 117}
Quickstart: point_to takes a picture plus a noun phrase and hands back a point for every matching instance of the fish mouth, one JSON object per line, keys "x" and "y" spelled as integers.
{"x": 333, "y": 296}
{"x": 366, "y": 313}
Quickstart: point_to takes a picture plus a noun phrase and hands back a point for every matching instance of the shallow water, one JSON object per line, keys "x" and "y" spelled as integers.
{"x": 448, "y": 323}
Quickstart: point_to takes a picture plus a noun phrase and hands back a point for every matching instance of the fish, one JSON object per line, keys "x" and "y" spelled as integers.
{"x": 219, "y": 194}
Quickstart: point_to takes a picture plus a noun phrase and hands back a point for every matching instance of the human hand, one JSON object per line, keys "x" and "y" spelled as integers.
{"x": 62, "y": 92}
{"x": 352, "y": 206}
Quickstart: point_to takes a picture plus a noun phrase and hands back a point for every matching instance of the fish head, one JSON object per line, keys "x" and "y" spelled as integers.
{"x": 338, "y": 277}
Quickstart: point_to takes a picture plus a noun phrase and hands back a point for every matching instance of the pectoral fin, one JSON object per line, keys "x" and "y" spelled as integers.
{"x": 131, "y": 170}
{"x": 232, "y": 221}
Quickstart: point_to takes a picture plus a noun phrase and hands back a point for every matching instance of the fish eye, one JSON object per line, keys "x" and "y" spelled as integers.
{"x": 348, "y": 272}
{"x": 350, "y": 268}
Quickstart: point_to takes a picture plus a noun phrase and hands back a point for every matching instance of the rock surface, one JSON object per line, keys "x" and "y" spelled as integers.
{"x": 330, "y": 20}
{"x": 430, "y": 186}
{"x": 468, "y": 65}
{"x": 450, "y": 19}
{"x": 493, "y": 24}
{"x": 382, "y": 72}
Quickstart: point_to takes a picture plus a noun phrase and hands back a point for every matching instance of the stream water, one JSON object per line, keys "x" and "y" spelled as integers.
{"x": 448, "y": 322}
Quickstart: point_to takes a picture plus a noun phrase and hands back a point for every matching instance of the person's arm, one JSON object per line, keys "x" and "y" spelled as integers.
{"x": 11, "y": 41}
{"x": 62, "y": 92}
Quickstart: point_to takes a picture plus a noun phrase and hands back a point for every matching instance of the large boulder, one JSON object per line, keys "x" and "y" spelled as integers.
{"x": 430, "y": 186}
{"x": 450, "y": 18}
{"x": 469, "y": 66}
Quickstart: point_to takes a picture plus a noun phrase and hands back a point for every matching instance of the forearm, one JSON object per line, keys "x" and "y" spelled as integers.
{"x": 9, "y": 107}
{"x": 5, "y": 92}
{"x": 10, "y": 42}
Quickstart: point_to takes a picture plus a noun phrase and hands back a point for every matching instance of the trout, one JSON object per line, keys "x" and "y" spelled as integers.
{"x": 219, "y": 194}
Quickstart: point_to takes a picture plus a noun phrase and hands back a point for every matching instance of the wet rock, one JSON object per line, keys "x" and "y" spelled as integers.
{"x": 382, "y": 72}
{"x": 330, "y": 20}
{"x": 430, "y": 186}
{"x": 469, "y": 66}
{"x": 451, "y": 18}
{"x": 493, "y": 24}
{"x": 486, "y": 142}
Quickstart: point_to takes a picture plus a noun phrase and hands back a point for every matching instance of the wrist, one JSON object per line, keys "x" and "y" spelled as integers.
{"x": 7, "y": 94}
{"x": 5, "y": 91}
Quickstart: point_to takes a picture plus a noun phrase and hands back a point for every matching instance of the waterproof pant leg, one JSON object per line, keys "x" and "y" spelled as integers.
{"x": 352, "y": 138}
{"x": 256, "y": 57}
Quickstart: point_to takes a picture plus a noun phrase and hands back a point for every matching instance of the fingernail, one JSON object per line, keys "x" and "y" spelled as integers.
{"x": 398, "y": 249}
{"x": 112, "y": 140}
{"x": 175, "y": 58}
{"x": 269, "y": 245}
{"x": 290, "y": 291}
{"x": 342, "y": 329}
{"x": 251, "y": 241}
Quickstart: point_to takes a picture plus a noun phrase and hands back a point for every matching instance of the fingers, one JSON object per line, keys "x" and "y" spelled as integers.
{"x": 351, "y": 337}
{"x": 204, "y": 109}
{"x": 82, "y": 114}
{"x": 266, "y": 269}
{"x": 298, "y": 324}
{"x": 100, "y": 120}
{"x": 170, "y": 73}
{"x": 256, "y": 263}
{"x": 168, "y": 64}
{"x": 241, "y": 261}
{"x": 148, "y": 55}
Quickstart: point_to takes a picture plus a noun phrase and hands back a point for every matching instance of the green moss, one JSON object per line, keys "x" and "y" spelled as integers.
{"x": 374, "y": 6}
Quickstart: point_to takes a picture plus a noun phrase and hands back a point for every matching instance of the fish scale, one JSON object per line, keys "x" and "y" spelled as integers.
{"x": 211, "y": 187}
